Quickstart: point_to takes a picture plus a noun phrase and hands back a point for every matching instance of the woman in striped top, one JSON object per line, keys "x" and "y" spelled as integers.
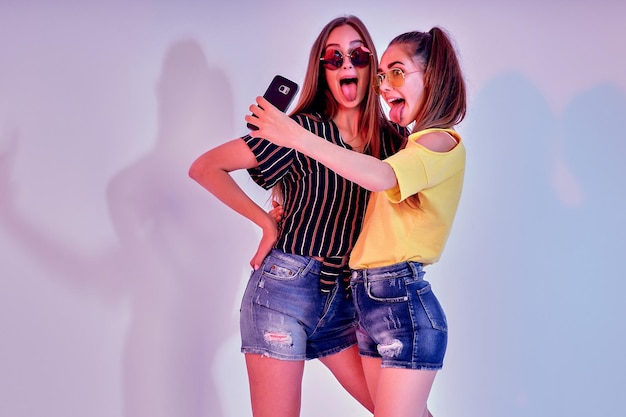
{"x": 294, "y": 307}
{"x": 403, "y": 330}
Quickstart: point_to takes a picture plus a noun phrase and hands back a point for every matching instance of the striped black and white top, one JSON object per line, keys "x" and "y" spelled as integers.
{"x": 323, "y": 212}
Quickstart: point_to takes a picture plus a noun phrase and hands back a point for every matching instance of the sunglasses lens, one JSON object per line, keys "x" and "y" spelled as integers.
{"x": 359, "y": 57}
{"x": 395, "y": 77}
{"x": 332, "y": 59}
{"x": 378, "y": 81}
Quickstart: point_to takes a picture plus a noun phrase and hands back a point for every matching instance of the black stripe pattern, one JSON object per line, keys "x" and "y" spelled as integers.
{"x": 323, "y": 212}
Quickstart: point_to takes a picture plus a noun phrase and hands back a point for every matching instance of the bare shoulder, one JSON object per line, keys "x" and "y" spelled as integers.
{"x": 438, "y": 141}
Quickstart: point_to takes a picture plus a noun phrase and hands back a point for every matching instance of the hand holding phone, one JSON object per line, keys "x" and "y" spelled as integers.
{"x": 280, "y": 93}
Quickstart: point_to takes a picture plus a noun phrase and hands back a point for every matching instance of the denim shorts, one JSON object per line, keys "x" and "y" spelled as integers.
{"x": 400, "y": 319}
{"x": 284, "y": 315}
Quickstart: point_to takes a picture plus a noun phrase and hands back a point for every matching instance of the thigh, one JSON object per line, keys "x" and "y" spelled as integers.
{"x": 371, "y": 368}
{"x": 347, "y": 367}
{"x": 275, "y": 386}
{"x": 403, "y": 392}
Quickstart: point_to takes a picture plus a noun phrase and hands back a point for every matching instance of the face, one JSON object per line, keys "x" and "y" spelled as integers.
{"x": 402, "y": 85}
{"x": 349, "y": 82}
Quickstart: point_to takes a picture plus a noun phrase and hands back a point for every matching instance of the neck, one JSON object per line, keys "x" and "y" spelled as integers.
{"x": 347, "y": 122}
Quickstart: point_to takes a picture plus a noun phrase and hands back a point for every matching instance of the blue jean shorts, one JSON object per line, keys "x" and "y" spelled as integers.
{"x": 284, "y": 315}
{"x": 400, "y": 319}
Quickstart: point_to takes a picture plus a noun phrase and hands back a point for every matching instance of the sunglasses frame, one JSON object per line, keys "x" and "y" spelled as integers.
{"x": 380, "y": 78}
{"x": 332, "y": 67}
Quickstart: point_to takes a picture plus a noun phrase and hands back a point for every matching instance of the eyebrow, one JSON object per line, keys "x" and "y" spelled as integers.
{"x": 354, "y": 42}
{"x": 391, "y": 65}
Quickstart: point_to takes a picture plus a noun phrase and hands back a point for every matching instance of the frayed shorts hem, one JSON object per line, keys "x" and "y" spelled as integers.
{"x": 283, "y": 357}
{"x": 273, "y": 355}
{"x": 386, "y": 363}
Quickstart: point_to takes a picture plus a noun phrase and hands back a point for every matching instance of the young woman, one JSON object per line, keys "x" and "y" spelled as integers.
{"x": 295, "y": 307}
{"x": 402, "y": 328}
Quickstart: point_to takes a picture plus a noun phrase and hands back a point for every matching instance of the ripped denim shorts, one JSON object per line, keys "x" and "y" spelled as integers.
{"x": 400, "y": 319}
{"x": 284, "y": 315}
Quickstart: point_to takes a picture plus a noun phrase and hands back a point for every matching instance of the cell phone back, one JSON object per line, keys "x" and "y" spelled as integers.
{"x": 280, "y": 93}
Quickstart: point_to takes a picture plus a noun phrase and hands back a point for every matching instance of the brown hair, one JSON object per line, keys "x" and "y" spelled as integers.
{"x": 444, "y": 99}
{"x": 316, "y": 97}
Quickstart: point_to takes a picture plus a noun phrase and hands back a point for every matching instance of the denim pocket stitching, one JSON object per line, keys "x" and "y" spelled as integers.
{"x": 368, "y": 289}
{"x": 281, "y": 273}
{"x": 436, "y": 323}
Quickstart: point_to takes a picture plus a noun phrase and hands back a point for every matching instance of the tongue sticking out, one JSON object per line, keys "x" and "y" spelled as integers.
{"x": 349, "y": 90}
{"x": 395, "y": 113}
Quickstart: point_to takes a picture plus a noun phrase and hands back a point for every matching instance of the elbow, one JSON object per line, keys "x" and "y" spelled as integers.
{"x": 202, "y": 166}
{"x": 379, "y": 185}
{"x": 206, "y": 172}
{"x": 384, "y": 180}
{"x": 195, "y": 171}
{"x": 201, "y": 170}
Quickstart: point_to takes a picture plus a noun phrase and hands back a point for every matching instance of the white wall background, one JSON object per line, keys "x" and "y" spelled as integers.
{"x": 120, "y": 278}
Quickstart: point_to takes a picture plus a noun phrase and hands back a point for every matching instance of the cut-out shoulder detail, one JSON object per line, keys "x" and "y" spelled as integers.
{"x": 455, "y": 141}
{"x": 438, "y": 141}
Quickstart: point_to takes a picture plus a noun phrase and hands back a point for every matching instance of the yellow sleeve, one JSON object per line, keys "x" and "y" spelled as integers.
{"x": 410, "y": 171}
{"x": 418, "y": 168}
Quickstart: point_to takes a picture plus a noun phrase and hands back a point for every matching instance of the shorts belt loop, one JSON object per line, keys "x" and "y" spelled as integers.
{"x": 417, "y": 269}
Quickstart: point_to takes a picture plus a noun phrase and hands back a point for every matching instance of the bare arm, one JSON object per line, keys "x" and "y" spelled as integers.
{"x": 212, "y": 171}
{"x": 365, "y": 170}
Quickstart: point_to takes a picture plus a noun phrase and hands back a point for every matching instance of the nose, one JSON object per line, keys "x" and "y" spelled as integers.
{"x": 384, "y": 85}
{"x": 347, "y": 60}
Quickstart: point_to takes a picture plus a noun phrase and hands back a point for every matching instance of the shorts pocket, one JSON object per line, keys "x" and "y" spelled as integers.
{"x": 433, "y": 308}
{"x": 280, "y": 271}
{"x": 389, "y": 290}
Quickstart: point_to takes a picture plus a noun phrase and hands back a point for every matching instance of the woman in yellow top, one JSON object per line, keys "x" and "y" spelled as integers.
{"x": 402, "y": 330}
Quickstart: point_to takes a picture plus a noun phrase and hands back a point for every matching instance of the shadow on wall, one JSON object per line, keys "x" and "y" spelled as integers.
{"x": 181, "y": 253}
{"x": 189, "y": 251}
{"x": 588, "y": 308}
{"x": 542, "y": 205}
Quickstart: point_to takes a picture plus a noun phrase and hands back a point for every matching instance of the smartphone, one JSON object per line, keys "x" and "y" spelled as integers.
{"x": 280, "y": 93}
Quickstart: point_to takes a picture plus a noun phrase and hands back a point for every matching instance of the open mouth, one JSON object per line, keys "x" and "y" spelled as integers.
{"x": 395, "y": 101}
{"x": 397, "y": 108}
{"x": 347, "y": 81}
{"x": 348, "y": 88}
